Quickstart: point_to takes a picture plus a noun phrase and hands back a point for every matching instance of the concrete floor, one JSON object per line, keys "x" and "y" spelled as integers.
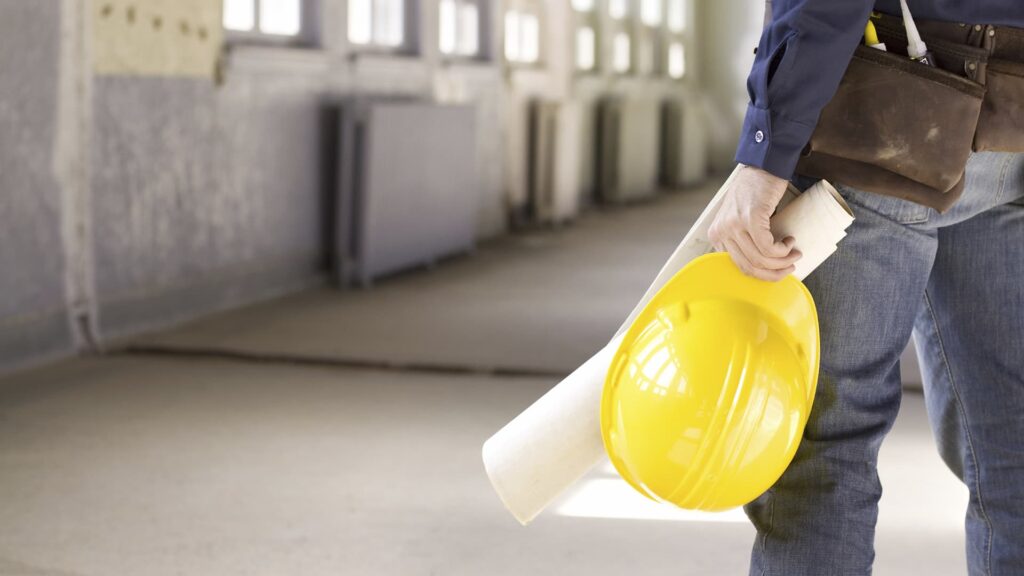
{"x": 142, "y": 464}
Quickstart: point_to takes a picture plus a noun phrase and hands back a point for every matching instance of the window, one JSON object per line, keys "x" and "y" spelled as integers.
{"x": 676, "y": 60}
{"x": 618, "y": 9}
{"x": 621, "y": 57}
{"x": 586, "y": 49}
{"x": 376, "y": 22}
{"x": 586, "y": 22}
{"x": 676, "y": 16}
{"x": 650, "y": 12}
{"x": 522, "y": 36}
{"x": 460, "y": 28}
{"x": 675, "y": 51}
{"x": 282, "y": 18}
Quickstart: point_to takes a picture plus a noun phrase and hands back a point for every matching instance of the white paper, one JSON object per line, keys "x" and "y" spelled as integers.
{"x": 555, "y": 441}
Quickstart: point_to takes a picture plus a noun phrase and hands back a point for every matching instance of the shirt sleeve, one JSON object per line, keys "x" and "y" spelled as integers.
{"x": 803, "y": 54}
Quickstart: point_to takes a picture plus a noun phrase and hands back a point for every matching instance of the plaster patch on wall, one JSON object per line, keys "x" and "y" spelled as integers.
{"x": 157, "y": 37}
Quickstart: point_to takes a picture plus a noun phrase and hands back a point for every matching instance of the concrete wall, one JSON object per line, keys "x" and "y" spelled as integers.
{"x": 33, "y": 316}
{"x": 204, "y": 196}
{"x": 211, "y": 196}
{"x": 129, "y": 203}
{"x": 197, "y": 196}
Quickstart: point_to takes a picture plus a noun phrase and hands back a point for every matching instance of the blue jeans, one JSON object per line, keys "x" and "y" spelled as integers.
{"x": 956, "y": 281}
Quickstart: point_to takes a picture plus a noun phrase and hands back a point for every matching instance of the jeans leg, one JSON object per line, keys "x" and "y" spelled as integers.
{"x": 819, "y": 518}
{"x": 970, "y": 339}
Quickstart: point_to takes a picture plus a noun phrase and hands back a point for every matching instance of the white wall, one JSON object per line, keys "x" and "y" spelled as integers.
{"x": 729, "y": 33}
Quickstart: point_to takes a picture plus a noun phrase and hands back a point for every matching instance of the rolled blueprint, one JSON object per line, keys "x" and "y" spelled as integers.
{"x": 554, "y": 442}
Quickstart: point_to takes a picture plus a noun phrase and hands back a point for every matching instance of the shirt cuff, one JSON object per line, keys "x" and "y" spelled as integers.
{"x": 772, "y": 142}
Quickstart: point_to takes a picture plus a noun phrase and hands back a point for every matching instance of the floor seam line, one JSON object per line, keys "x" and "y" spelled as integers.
{"x": 336, "y": 362}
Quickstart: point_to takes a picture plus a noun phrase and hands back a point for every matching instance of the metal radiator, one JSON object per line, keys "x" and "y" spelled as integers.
{"x": 407, "y": 186}
{"x": 552, "y": 162}
{"x": 672, "y": 126}
{"x": 628, "y": 154}
{"x": 683, "y": 146}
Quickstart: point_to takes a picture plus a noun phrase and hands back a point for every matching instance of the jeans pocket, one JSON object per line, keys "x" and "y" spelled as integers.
{"x": 895, "y": 209}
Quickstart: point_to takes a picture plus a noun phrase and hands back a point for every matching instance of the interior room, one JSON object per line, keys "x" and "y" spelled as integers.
{"x": 273, "y": 271}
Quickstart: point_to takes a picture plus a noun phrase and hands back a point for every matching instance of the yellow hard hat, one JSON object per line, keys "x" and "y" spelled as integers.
{"x": 708, "y": 394}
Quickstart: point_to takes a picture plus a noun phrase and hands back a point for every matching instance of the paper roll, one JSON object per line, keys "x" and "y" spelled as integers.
{"x": 555, "y": 441}
{"x": 552, "y": 443}
{"x": 817, "y": 220}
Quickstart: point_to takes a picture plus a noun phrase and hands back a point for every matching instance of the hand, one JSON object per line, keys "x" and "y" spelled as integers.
{"x": 743, "y": 226}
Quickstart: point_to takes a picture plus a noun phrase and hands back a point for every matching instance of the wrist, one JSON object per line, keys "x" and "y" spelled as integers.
{"x": 767, "y": 180}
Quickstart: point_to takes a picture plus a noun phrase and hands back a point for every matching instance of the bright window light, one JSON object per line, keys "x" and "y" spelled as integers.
{"x": 585, "y": 49}
{"x": 513, "y": 26}
{"x": 469, "y": 29}
{"x": 621, "y": 55}
{"x": 676, "y": 15}
{"x": 522, "y": 37}
{"x": 380, "y": 22}
{"x": 531, "y": 38}
{"x": 360, "y": 21}
{"x": 613, "y": 498}
{"x": 389, "y": 22}
{"x": 676, "y": 60}
{"x": 448, "y": 15}
{"x": 618, "y": 9}
{"x": 650, "y": 12}
{"x": 282, "y": 17}
{"x": 583, "y": 5}
{"x": 240, "y": 15}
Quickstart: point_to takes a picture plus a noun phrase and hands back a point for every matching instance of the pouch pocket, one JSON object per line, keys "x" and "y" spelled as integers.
{"x": 959, "y": 58}
{"x": 1001, "y": 123}
{"x": 894, "y": 122}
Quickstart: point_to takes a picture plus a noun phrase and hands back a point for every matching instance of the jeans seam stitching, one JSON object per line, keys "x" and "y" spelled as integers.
{"x": 1001, "y": 189}
{"x": 967, "y": 431}
{"x": 764, "y": 537}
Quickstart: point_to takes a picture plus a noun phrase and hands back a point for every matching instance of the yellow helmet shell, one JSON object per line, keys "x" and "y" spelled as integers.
{"x": 707, "y": 396}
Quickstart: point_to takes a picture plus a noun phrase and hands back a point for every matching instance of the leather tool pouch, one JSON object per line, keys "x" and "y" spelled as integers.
{"x": 898, "y": 127}
{"x": 903, "y": 129}
{"x": 1001, "y": 125}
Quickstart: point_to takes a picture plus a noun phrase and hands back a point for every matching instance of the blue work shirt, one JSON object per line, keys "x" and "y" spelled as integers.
{"x": 803, "y": 54}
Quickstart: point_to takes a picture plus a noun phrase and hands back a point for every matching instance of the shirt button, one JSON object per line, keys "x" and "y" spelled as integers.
{"x": 758, "y": 136}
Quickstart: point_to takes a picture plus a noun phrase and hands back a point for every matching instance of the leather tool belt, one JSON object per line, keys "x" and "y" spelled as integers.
{"x": 901, "y": 128}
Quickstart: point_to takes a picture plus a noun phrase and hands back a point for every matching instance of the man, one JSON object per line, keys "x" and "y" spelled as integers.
{"x": 956, "y": 279}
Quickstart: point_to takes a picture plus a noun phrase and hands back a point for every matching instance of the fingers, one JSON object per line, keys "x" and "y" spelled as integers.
{"x": 742, "y": 259}
{"x": 756, "y": 254}
{"x": 743, "y": 227}
{"x": 751, "y": 257}
{"x": 766, "y": 243}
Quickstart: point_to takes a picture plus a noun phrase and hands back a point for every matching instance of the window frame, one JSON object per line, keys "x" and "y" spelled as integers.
{"x": 670, "y": 42}
{"x": 625, "y": 17}
{"x": 484, "y": 33}
{"x": 587, "y": 19}
{"x": 668, "y": 16}
{"x": 671, "y": 36}
{"x": 308, "y": 35}
{"x": 631, "y": 57}
{"x": 411, "y": 41}
{"x": 536, "y": 8}
{"x": 630, "y": 25}
{"x": 641, "y": 15}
